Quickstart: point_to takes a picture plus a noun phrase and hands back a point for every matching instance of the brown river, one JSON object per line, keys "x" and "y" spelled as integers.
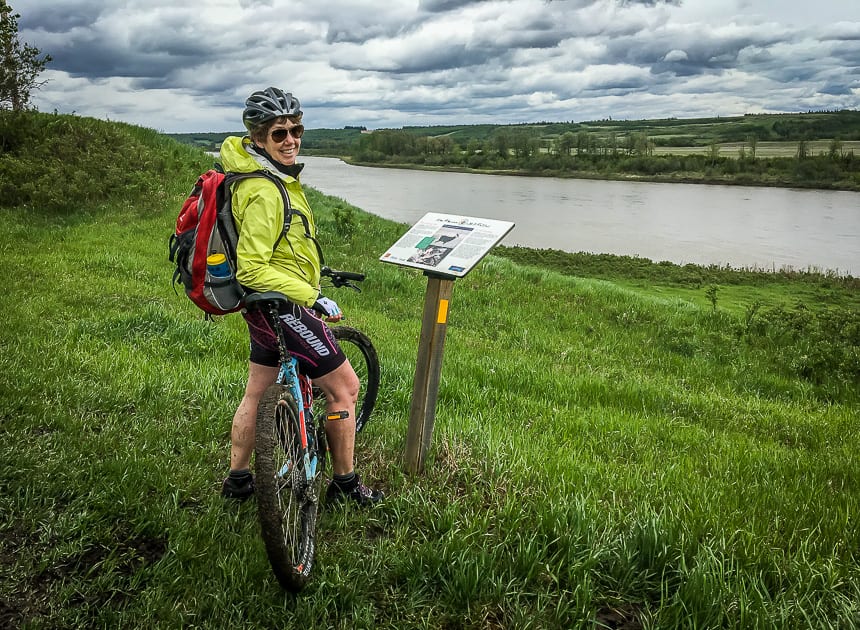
{"x": 739, "y": 226}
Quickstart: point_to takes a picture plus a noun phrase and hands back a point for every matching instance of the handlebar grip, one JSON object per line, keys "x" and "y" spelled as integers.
{"x": 349, "y": 275}
{"x": 341, "y": 275}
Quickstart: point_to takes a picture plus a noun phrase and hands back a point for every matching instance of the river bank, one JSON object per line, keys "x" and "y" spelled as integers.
{"x": 686, "y": 177}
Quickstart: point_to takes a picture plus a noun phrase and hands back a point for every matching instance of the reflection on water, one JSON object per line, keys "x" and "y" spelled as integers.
{"x": 682, "y": 223}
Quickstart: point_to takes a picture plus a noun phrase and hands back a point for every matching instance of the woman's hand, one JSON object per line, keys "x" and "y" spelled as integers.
{"x": 329, "y": 309}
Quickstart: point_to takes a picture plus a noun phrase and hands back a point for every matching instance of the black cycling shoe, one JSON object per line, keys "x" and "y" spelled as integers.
{"x": 360, "y": 495}
{"x": 238, "y": 486}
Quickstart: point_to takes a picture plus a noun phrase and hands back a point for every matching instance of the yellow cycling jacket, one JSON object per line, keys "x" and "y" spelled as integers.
{"x": 258, "y": 208}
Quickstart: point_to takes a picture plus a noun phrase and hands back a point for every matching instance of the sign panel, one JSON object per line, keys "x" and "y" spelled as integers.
{"x": 446, "y": 244}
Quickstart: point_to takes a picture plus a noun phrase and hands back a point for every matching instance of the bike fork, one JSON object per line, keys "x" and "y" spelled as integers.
{"x": 289, "y": 374}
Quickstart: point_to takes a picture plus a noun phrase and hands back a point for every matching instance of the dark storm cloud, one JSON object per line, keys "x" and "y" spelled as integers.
{"x": 99, "y": 59}
{"x": 847, "y": 52}
{"x": 686, "y": 54}
{"x": 837, "y": 89}
{"x": 173, "y": 42}
{"x": 145, "y": 56}
{"x": 355, "y": 33}
{"x": 650, "y": 3}
{"x": 792, "y": 73}
{"x": 59, "y": 17}
{"x": 443, "y": 58}
{"x": 89, "y": 39}
{"x": 440, "y": 6}
{"x": 754, "y": 56}
{"x": 614, "y": 86}
{"x": 162, "y": 49}
{"x": 464, "y": 55}
{"x": 539, "y": 32}
{"x": 842, "y": 57}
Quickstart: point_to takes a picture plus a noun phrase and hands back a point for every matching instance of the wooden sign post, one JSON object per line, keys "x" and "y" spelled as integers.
{"x": 446, "y": 247}
{"x": 428, "y": 370}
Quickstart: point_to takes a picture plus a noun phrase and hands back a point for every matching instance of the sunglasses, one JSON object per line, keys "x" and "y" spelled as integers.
{"x": 279, "y": 135}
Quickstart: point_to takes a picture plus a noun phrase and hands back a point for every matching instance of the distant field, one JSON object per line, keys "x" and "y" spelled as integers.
{"x": 763, "y": 149}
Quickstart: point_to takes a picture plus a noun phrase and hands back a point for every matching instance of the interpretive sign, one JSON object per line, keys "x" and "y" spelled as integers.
{"x": 447, "y": 244}
{"x": 446, "y": 247}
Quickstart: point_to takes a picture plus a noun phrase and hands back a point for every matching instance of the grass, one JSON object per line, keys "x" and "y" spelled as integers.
{"x": 604, "y": 455}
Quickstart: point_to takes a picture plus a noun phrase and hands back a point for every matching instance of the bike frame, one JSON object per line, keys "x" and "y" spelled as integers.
{"x": 290, "y": 376}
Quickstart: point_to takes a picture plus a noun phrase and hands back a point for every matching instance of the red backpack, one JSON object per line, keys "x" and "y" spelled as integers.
{"x": 204, "y": 229}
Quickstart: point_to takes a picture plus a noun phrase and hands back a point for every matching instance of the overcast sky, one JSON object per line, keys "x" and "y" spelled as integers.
{"x": 176, "y": 67}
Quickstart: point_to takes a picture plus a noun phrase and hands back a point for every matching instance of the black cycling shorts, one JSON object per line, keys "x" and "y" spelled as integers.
{"x": 308, "y": 339}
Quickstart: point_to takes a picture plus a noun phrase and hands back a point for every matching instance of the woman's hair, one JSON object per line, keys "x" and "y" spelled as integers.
{"x": 260, "y": 132}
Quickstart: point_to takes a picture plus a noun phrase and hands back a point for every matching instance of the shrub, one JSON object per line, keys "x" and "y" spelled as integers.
{"x": 820, "y": 346}
{"x": 345, "y": 221}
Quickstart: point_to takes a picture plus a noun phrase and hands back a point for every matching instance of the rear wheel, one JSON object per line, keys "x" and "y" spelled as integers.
{"x": 364, "y": 360}
{"x": 287, "y": 500}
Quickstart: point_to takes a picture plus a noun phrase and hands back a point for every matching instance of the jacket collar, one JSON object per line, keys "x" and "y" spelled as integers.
{"x": 267, "y": 162}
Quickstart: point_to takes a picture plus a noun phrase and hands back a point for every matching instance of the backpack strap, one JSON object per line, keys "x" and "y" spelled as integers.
{"x": 232, "y": 178}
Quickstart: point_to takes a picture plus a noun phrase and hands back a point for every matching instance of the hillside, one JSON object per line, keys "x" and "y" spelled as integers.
{"x": 616, "y": 445}
{"x": 669, "y": 132}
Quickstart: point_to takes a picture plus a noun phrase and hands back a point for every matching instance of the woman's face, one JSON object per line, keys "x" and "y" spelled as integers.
{"x": 283, "y": 142}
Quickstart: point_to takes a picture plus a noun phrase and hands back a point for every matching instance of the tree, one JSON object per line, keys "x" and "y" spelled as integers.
{"x": 612, "y": 143}
{"x": 835, "y": 150}
{"x": 583, "y": 141}
{"x": 714, "y": 151}
{"x": 642, "y": 145}
{"x": 752, "y": 140}
{"x": 566, "y": 142}
{"x": 524, "y": 143}
{"x": 501, "y": 142}
{"x": 20, "y": 64}
{"x": 474, "y": 147}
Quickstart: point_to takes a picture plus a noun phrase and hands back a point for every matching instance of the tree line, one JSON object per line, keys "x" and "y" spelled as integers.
{"x": 521, "y": 149}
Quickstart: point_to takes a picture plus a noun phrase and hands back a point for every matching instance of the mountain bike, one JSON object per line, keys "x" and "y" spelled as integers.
{"x": 291, "y": 447}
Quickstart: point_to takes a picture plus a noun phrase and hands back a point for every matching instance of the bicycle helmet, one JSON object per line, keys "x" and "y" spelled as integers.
{"x": 266, "y": 104}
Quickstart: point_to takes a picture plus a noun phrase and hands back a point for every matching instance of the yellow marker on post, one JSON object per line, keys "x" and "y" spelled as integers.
{"x": 443, "y": 312}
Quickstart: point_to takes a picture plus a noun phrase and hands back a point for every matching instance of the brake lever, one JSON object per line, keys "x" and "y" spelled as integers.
{"x": 339, "y": 284}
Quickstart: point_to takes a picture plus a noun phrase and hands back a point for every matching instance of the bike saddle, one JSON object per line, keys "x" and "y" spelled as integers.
{"x": 266, "y": 298}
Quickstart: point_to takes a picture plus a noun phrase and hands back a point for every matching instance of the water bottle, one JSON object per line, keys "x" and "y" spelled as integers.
{"x": 221, "y": 288}
{"x": 216, "y": 265}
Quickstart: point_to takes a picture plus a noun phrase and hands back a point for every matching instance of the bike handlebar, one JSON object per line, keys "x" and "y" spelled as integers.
{"x": 342, "y": 278}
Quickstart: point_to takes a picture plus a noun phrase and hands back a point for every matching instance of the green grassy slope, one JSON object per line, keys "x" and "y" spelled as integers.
{"x": 604, "y": 450}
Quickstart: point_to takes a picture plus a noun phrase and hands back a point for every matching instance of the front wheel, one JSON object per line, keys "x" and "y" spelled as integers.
{"x": 364, "y": 360}
{"x": 287, "y": 500}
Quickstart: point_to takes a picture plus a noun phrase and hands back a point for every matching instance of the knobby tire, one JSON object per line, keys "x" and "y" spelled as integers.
{"x": 287, "y": 505}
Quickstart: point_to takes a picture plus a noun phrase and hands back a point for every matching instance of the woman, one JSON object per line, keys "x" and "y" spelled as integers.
{"x": 273, "y": 119}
